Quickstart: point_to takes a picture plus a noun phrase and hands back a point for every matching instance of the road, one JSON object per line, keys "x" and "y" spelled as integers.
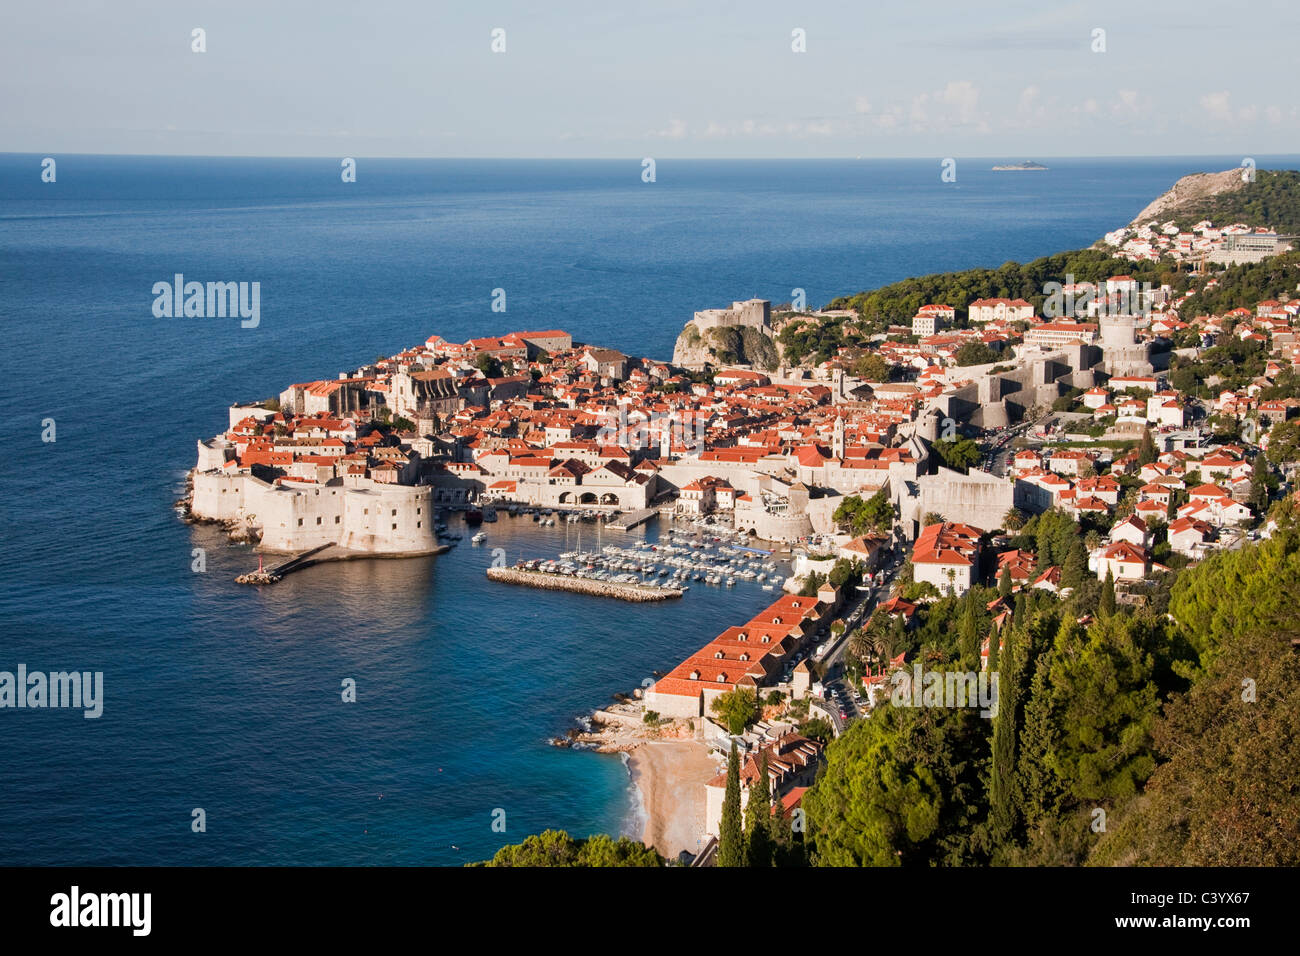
{"x": 1001, "y": 445}
{"x": 857, "y": 613}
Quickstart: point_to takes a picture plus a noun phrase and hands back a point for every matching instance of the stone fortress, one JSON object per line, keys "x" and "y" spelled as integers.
{"x": 355, "y": 513}
{"x": 1122, "y": 353}
{"x": 693, "y": 349}
{"x": 755, "y": 313}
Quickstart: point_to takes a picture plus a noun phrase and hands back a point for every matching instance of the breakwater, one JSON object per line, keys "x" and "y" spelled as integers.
{"x": 318, "y": 555}
{"x": 563, "y": 582}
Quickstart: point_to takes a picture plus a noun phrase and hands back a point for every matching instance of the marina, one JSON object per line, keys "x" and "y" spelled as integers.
{"x": 674, "y": 561}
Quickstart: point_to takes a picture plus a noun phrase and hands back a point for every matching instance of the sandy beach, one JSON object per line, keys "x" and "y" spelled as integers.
{"x": 671, "y": 775}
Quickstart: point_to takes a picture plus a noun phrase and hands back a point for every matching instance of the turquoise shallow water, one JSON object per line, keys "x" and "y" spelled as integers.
{"x": 227, "y": 698}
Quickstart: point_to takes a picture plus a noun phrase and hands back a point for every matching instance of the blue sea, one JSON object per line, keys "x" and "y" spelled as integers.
{"x": 227, "y": 698}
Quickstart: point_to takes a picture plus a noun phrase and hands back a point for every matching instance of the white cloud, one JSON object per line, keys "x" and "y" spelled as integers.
{"x": 955, "y": 106}
{"x": 1218, "y": 105}
{"x": 1129, "y": 103}
{"x": 1028, "y": 100}
{"x": 675, "y": 129}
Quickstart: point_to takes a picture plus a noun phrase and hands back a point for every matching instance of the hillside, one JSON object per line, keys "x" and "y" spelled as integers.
{"x": 1191, "y": 189}
{"x": 1272, "y": 200}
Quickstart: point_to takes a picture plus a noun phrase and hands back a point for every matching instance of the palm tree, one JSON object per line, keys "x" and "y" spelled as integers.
{"x": 861, "y": 645}
{"x": 882, "y": 644}
{"x": 1014, "y": 519}
{"x": 932, "y": 517}
{"x": 933, "y": 653}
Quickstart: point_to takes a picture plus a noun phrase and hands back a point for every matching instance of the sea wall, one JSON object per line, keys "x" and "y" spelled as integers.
{"x": 362, "y": 515}
{"x": 563, "y": 582}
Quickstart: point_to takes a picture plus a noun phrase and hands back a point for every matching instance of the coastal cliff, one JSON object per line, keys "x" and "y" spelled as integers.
{"x": 1188, "y": 190}
{"x": 725, "y": 345}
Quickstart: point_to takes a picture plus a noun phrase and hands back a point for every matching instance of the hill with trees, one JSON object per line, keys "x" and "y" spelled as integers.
{"x": 1271, "y": 200}
{"x": 1122, "y": 736}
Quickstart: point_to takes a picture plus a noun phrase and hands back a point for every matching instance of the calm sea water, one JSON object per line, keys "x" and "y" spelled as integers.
{"x": 227, "y": 698}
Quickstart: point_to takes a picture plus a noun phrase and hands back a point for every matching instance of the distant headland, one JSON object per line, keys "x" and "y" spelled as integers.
{"x": 1027, "y": 164}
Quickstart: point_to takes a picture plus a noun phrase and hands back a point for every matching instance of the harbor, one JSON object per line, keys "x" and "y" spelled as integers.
{"x": 669, "y": 563}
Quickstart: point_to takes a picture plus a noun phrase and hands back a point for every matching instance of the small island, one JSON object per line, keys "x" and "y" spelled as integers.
{"x": 1028, "y": 164}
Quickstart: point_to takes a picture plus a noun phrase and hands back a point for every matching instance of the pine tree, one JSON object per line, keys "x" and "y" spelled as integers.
{"x": 731, "y": 838}
{"x": 758, "y": 814}
{"x": 1106, "y": 607}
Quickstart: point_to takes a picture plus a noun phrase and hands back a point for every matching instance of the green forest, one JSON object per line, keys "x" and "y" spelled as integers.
{"x": 1138, "y": 738}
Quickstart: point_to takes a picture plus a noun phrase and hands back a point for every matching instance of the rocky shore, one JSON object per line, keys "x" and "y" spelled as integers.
{"x": 237, "y": 531}
{"x": 563, "y": 582}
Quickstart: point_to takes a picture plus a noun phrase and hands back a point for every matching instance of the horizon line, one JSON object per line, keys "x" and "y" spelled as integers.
{"x": 630, "y": 158}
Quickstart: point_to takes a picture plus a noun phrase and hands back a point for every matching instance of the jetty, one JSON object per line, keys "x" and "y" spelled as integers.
{"x": 629, "y": 521}
{"x": 317, "y": 555}
{"x": 564, "y": 582}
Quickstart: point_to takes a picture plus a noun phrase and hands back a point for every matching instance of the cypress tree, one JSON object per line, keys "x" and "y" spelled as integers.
{"x": 1259, "y": 493}
{"x": 1076, "y": 565}
{"x": 731, "y": 838}
{"x": 1003, "y": 809}
{"x": 1004, "y": 580}
{"x": 758, "y": 818}
{"x": 1146, "y": 450}
{"x": 1106, "y": 607}
{"x": 968, "y": 637}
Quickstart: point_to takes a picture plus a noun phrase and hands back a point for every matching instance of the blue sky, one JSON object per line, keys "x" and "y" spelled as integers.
{"x": 714, "y": 78}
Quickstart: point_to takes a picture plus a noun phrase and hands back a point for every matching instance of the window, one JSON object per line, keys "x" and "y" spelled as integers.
{"x": 318, "y": 519}
{"x": 336, "y": 519}
{"x": 394, "y": 515}
{"x": 299, "y": 522}
{"x": 394, "y": 526}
